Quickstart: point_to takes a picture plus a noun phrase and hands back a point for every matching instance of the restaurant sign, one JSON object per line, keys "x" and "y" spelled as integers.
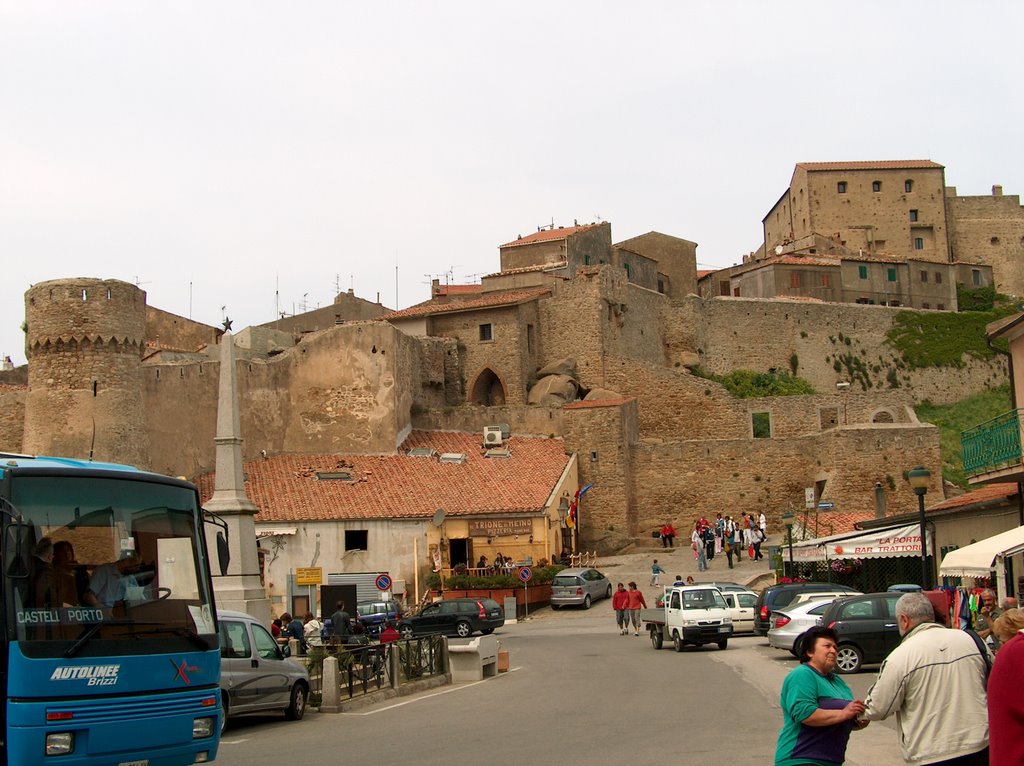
{"x": 500, "y": 527}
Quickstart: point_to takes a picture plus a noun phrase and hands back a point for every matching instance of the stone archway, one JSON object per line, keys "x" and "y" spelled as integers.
{"x": 883, "y": 416}
{"x": 488, "y": 389}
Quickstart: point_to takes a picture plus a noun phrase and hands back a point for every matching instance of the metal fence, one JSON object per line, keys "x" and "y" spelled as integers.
{"x": 364, "y": 669}
{"x": 871, "y": 576}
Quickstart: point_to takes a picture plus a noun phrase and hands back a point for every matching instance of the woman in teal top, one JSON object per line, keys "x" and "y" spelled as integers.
{"x": 818, "y": 708}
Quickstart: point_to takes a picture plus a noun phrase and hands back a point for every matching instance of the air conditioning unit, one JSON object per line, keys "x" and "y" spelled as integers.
{"x": 492, "y": 436}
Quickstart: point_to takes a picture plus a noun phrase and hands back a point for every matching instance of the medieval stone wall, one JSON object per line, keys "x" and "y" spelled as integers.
{"x": 682, "y": 480}
{"x": 756, "y": 334}
{"x": 167, "y": 329}
{"x": 601, "y": 434}
{"x": 990, "y": 230}
{"x": 12, "y": 417}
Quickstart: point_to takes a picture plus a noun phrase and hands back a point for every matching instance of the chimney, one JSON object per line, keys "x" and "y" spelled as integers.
{"x": 997, "y": 190}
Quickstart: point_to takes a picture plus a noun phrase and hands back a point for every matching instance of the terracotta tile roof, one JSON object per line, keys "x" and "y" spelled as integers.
{"x": 429, "y": 308}
{"x": 870, "y": 165}
{"x": 286, "y": 489}
{"x": 528, "y": 269}
{"x": 581, "y": 405}
{"x": 549, "y": 235}
{"x": 702, "y": 274}
{"x": 832, "y": 522}
{"x": 985, "y": 494}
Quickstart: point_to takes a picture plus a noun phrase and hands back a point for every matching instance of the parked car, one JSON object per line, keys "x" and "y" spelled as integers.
{"x": 792, "y": 622}
{"x": 373, "y": 614}
{"x": 867, "y": 629}
{"x": 725, "y": 587}
{"x": 458, "y": 616}
{"x": 780, "y": 596}
{"x": 256, "y": 673}
{"x": 579, "y": 587}
{"x": 741, "y": 607}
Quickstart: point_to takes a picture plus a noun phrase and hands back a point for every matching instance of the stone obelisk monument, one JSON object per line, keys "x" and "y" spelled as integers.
{"x": 240, "y": 588}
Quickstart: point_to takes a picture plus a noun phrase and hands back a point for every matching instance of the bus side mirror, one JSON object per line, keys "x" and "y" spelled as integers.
{"x": 223, "y": 555}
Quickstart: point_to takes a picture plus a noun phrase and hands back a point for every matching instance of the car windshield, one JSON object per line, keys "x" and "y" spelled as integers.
{"x": 703, "y": 599}
{"x": 100, "y": 564}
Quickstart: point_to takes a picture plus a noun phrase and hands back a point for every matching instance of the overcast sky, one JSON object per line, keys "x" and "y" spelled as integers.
{"x": 259, "y": 155}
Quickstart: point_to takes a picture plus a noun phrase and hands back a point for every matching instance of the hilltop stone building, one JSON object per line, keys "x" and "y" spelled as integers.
{"x": 110, "y": 377}
{"x": 876, "y": 229}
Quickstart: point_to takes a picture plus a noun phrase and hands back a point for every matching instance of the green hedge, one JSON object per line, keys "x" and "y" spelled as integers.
{"x": 541, "y": 576}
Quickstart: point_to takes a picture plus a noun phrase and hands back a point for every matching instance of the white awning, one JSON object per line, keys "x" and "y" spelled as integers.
{"x": 978, "y": 559}
{"x": 274, "y": 531}
{"x": 872, "y": 544}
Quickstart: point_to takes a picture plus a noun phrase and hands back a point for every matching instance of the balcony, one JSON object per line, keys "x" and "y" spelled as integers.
{"x": 991, "y": 451}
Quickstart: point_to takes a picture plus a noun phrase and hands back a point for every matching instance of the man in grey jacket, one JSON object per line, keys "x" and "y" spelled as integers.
{"x": 934, "y": 682}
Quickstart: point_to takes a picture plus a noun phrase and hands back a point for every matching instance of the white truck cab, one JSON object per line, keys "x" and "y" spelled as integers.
{"x": 693, "y": 614}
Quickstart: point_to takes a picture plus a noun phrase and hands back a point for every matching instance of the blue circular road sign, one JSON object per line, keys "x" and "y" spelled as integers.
{"x": 383, "y": 582}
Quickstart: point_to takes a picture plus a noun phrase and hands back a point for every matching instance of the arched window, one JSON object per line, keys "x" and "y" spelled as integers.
{"x": 487, "y": 389}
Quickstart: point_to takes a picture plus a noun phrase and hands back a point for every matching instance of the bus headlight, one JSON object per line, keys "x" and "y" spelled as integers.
{"x": 60, "y": 743}
{"x": 202, "y": 728}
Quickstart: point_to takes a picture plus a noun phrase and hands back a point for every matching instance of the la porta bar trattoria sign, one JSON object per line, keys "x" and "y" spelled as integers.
{"x": 903, "y": 541}
{"x": 500, "y": 527}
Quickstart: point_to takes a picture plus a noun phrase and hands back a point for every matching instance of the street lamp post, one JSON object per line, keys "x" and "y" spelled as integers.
{"x": 787, "y": 519}
{"x": 918, "y": 478}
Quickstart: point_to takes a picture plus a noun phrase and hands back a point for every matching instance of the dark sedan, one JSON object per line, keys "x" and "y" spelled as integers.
{"x": 867, "y": 629}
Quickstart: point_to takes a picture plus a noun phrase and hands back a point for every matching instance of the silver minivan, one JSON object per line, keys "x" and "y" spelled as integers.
{"x": 256, "y": 674}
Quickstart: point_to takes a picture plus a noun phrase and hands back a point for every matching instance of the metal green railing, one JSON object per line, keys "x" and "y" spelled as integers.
{"x": 993, "y": 445}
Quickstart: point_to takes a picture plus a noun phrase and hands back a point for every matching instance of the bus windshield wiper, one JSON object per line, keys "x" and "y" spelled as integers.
{"x": 195, "y": 639}
{"x": 86, "y": 637}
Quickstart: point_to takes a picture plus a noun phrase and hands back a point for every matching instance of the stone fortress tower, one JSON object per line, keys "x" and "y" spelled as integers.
{"x": 84, "y": 342}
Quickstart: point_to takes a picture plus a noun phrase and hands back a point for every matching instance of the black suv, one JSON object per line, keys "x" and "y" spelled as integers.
{"x": 866, "y": 626}
{"x": 458, "y": 616}
{"x": 780, "y": 596}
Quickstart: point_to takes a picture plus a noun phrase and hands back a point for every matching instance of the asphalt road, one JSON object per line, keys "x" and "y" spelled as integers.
{"x": 578, "y": 693}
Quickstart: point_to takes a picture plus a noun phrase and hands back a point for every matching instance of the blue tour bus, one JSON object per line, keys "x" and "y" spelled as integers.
{"x": 110, "y": 649}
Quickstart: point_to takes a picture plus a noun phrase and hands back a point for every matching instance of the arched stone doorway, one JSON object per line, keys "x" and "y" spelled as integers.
{"x": 488, "y": 389}
{"x": 883, "y": 416}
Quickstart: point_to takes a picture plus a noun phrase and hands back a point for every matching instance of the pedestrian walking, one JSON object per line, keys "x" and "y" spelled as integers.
{"x": 758, "y": 539}
{"x": 1005, "y": 702}
{"x": 698, "y": 548}
{"x": 719, "y": 533}
{"x": 818, "y": 708}
{"x": 656, "y": 573}
{"x": 620, "y": 603}
{"x": 934, "y": 682}
{"x": 636, "y": 603}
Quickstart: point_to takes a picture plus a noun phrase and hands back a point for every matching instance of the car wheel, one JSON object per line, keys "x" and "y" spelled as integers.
{"x": 297, "y": 706}
{"x": 463, "y": 629}
{"x": 723, "y": 644}
{"x": 223, "y": 713}
{"x": 586, "y": 601}
{"x": 608, "y": 593}
{"x": 406, "y": 631}
{"x": 677, "y": 642}
{"x": 657, "y": 640}
{"x": 848, "y": 658}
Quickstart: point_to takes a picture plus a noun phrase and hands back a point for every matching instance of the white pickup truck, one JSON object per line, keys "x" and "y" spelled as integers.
{"x": 693, "y": 614}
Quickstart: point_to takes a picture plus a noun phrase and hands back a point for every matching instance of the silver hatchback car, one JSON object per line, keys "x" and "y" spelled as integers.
{"x": 579, "y": 587}
{"x": 256, "y": 674}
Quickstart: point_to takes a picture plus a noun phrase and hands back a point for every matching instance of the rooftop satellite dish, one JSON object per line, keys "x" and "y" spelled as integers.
{"x": 439, "y": 517}
{"x": 778, "y": 249}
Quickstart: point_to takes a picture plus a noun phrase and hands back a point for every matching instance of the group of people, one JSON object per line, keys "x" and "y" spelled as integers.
{"x": 725, "y": 535}
{"x": 953, "y": 704}
{"x": 309, "y": 631}
{"x": 58, "y": 580}
{"x": 500, "y": 563}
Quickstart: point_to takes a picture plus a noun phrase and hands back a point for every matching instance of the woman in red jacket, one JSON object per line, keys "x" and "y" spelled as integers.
{"x": 635, "y": 603}
{"x": 620, "y": 603}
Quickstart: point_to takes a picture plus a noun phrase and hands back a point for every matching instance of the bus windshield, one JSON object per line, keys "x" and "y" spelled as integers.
{"x": 105, "y": 566}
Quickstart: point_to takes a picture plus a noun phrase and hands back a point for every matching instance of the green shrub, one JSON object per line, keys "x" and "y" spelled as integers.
{"x": 747, "y": 384}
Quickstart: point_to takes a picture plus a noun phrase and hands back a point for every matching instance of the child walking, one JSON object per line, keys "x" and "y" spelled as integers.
{"x": 656, "y": 572}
